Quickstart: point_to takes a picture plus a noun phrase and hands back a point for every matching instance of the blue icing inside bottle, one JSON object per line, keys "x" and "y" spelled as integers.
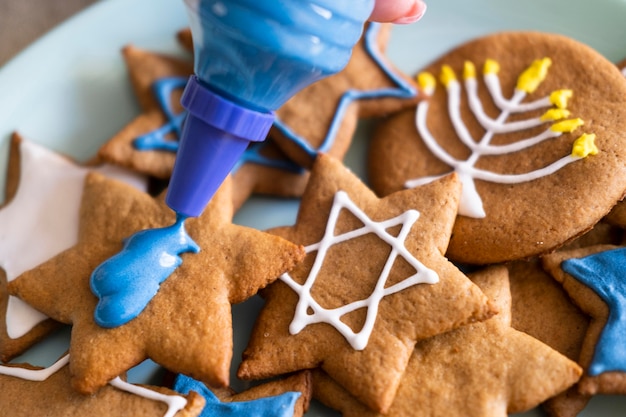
{"x": 155, "y": 140}
{"x": 260, "y": 53}
{"x": 126, "y": 282}
{"x": 603, "y": 272}
{"x": 276, "y": 406}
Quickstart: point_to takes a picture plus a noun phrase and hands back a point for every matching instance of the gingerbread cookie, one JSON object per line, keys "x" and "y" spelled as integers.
{"x": 33, "y": 391}
{"x": 39, "y": 220}
{"x": 186, "y": 326}
{"x": 288, "y": 397}
{"x": 537, "y": 140}
{"x": 483, "y": 369}
{"x": 593, "y": 278}
{"x": 375, "y": 281}
{"x": 148, "y": 143}
{"x": 542, "y": 309}
{"x": 323, "y": 116}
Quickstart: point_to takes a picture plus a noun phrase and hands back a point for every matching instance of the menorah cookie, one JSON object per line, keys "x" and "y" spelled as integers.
{"x": 124, "y": 315}
{"x": 485, "y": 369}
{"x": 34, "y": 391}
{"x": 38, "y": 220}
{"x": 374, "y": 282}
{"x": 532, "y": 123}
{"x": 593, "y": 279}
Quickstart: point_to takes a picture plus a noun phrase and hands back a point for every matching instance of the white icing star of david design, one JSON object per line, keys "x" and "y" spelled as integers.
{"x": 306, "y": 304}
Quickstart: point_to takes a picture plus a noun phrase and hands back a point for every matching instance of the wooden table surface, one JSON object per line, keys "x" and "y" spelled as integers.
{"x": 23, "y": 21}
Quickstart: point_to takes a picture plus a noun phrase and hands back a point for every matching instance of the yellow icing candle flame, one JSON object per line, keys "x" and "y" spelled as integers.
{"x": 555, "y": 114}
{"x": 427, "y": 82}
{"x": 559, "y": 98}
{"x": 534, "y": 75}
{"x": 491, "y": 67}
{"x": 469, "y": 70}
{"x": 447, "y": 75}
{"x": 567, "y": 126}
{"x": 584, "y": 146}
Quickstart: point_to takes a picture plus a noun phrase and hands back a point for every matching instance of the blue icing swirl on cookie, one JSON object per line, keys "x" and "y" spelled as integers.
{"x": 126, "y": 282}
{"x": 604, "y": 273}
{"x": 155, "y": 140}
{"x": 276, "y": 406}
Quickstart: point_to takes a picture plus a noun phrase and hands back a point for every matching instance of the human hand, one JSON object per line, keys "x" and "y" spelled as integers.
{"x": 398, "y": 11}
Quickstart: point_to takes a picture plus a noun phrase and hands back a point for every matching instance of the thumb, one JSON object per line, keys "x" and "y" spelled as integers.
{"x": 398, "y": 11}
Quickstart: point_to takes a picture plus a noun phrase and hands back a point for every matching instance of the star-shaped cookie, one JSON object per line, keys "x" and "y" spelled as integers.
{"x": 485, "y": 369}
{"x": 374, "y": 282}
{"x": 38, "y": 220}
{"x": 186, "y": 327}
{"x": 323, "y": 116}
{"x": 593, "y": 278}
{"x": 542, "y": 309}
{"x": 158, "y": 81}
{"x": 287, "y": 397}
{"x": 34, "y": 391}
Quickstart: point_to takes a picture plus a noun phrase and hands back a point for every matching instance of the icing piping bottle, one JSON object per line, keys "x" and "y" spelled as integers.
{"x": 250, "y": 57}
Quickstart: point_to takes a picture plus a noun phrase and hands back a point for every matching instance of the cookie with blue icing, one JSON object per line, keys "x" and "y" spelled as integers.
{"x": 284, "y": 397}
{"x": 186, "y": 327}
{"x": 533, "y": 124}
{"x": 148, "y": 143}
{"x": 485, "y": 369}
{"x": 593, "y": 279}
{"x": 324, "y": 116}
{"x": 373, "y": 283}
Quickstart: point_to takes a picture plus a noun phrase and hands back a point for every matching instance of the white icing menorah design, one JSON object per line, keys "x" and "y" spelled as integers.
{"x": 555, "y": 118}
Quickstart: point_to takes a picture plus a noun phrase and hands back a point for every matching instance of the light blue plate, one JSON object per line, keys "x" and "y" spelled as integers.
{"x": 69, "y": 91}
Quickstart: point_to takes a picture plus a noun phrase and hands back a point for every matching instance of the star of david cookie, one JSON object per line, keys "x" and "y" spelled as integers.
{"x": 287, "y": 397}
{"x": 374, "y": 282}
{"x": 38, "y": 220}
{"x": 593, "y": 279}
{"x": 485, "y": 369}
{"x": 148, "y": 143}
{"x": 34, "y": 391}
{"x": 324, "y": 116}
{"x": 186, "y": 327}
{"x": 533, "y": 125}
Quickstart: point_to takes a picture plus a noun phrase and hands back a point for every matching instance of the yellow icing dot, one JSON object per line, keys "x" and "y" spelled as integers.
{"x": 534, "y": 75}
{"x": 447, "y": 75}
{"x": 427, "y": 82}
{"x": 469, "y": 70}
{"x": 491, "y": 67}
{"x": 559, "y": 98}
{"x": 555, "y": 114}
{"x": 584, "y": 146}
{"x": 567, "y": 126}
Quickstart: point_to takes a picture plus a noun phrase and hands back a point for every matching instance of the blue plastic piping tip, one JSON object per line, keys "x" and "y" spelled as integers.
{"x": 215, "y": 134}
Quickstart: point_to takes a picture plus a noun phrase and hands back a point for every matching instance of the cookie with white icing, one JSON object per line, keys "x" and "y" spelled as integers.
{"x": 38, "y": 220}
{"x": 33, "y": 391}
{"x": 373, "y": 283}
{"x": 532, "y": 123}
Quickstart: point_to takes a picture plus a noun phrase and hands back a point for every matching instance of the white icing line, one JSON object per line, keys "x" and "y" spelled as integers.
{"x": 174, "y": 403}
{"x": 358, "y": 340}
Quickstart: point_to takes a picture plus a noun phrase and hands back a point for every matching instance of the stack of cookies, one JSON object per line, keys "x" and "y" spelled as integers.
{"x": 474, "y": 272}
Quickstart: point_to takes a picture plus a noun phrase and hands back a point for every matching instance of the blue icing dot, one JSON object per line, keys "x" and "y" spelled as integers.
{"x": 604, "y": 272}
{"x": 126, "y": 282}
{"x": 155, "y": 140}
{"x": 276, "y": 406}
